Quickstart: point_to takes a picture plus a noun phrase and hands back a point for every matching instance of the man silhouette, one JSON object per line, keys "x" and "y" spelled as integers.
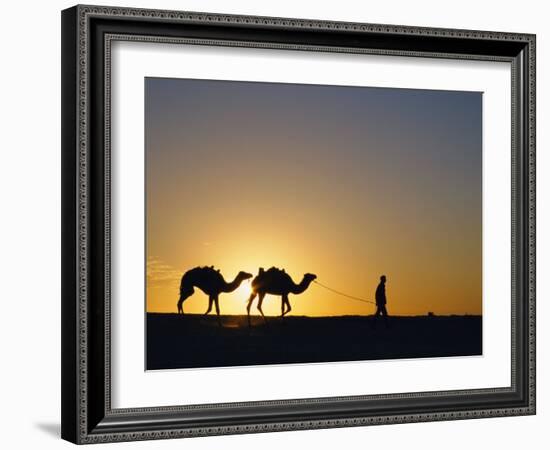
{"x": 380, "y": 297}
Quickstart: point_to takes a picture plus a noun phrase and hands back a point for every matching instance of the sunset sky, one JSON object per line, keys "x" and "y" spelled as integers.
{"x": 345, "y": 182}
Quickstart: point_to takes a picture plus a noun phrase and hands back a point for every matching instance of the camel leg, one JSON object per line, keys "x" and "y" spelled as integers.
{"x": 249, "y": 304}
{"x": 216, "y": 302}
{"x": 184, "y": 294}
{"x": 287, "y": 304}
{"x": 210, "y": 302}
{"x": 260, "y": 300}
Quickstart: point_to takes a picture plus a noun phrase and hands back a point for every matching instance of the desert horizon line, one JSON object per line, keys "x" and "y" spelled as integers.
{"x": 429, "y": 314}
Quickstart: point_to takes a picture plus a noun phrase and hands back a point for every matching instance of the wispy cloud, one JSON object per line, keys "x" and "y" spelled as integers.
{"x": 160, "y": 273}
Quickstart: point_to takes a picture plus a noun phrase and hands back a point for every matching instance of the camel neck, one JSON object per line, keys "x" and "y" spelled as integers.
{"x": 230, "y": 287}
{"x": 299, "y": 288}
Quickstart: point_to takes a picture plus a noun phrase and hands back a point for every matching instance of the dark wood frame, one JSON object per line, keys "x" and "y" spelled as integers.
{"x": 87, "y": 416}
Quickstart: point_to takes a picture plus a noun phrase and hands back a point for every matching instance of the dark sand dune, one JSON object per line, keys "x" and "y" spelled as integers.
{"x": 195, "y": 341}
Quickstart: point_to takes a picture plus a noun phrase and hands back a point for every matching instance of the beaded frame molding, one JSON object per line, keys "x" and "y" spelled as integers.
{"x": 87, "y": 34}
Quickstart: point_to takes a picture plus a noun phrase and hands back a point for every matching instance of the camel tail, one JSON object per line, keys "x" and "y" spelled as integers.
{"x": 184, "y": 283}
{"x": 181, "y": 286}
{"x": 186, "y": 287}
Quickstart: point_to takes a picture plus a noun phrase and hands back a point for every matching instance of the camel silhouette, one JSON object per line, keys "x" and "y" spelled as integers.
{"x": 276, "y": 282}
{"x": 211, "y": 282}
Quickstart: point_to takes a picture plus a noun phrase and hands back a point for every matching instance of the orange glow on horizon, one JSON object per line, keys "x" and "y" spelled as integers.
{"x": 345, "y": 183}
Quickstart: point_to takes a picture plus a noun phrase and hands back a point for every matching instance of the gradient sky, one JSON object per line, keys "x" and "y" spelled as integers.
{"x": 345, "y": 182}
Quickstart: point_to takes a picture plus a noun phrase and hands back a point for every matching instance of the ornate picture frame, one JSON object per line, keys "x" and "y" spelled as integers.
{"x": 88, "y": 33}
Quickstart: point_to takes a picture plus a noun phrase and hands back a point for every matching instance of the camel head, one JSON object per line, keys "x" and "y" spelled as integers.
{"x": 244, "y": 276}
{"x": 309, "y": 277}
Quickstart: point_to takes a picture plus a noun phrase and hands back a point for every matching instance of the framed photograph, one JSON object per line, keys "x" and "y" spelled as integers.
{"x": 276, "y": 224}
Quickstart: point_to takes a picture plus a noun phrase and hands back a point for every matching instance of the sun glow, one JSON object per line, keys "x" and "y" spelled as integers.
{"x": 347, "y": 184}
{"x": 243, "y": 291}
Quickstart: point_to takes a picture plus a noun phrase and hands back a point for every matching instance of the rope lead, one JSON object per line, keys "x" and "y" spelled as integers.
{"x": 344, "y": 295}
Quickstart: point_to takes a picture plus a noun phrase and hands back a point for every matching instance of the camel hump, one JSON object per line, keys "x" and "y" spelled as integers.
{"x": 202, "y": 272}
{"x": 274, "y": 273}
{"x": 269, "y": 274}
